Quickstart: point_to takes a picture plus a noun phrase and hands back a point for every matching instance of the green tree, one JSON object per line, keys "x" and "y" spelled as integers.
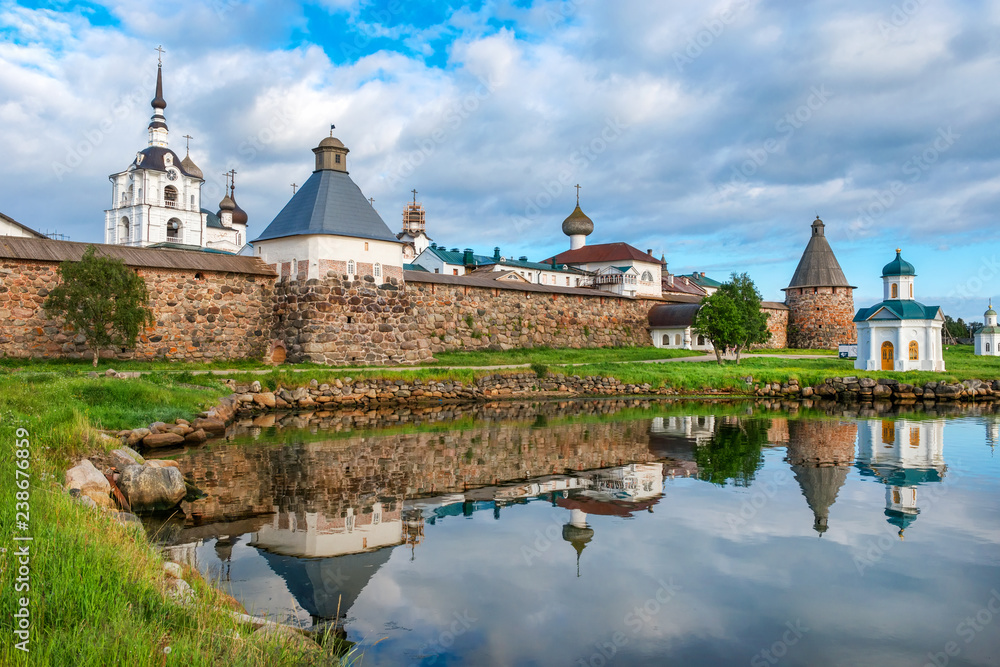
{"x": 103, "y": 299}
{"x": 733, "y": 452}
{"x": 731, "y": 318}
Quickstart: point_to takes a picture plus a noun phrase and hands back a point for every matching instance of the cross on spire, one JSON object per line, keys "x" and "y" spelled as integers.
{"x": 188, "y": 143}
{"x": 159, "y": 56}
{"x": 577, "y": 186}
{"x": 232, "y": 182}
{"x": 294, "y": 187}
{"x": 226, "y": 174}
{"x": 414, "y": 191}
{"x": 371, "y": 200}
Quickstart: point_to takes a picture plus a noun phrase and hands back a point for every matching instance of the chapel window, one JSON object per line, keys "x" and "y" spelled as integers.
{"x": 894, "y": 291}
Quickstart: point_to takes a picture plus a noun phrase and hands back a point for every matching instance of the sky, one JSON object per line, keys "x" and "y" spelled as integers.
{"x": 712, "y": 133}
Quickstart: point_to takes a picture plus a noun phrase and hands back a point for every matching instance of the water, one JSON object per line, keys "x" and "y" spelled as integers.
{"x": 613, "y": 532}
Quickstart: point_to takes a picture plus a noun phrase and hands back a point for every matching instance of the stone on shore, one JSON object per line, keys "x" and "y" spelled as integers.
{"x": 154, "y": 440}
{"x": 151, "y": 488}
{"x": 90, "y": 481}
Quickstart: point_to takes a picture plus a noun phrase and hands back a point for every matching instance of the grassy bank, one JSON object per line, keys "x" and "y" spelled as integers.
{"x": 96, "y": 587}
{"x": 557, "y": 356}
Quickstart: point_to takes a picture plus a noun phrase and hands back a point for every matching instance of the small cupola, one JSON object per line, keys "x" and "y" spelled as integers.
{"x": 577, "y": 226}
{"x": 897, "y": 278}
{"x": 331, "y": 154}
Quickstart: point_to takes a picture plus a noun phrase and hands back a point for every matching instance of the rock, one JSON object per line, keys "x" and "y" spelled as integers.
{"x": 867, "y": 383}
{"x": 110, "y": 373}
{"x": 150, "y": 488}
{"x": 120, "y": 458}
{"x": 255, "y": 387}
{"x": 173, "y": 570}
{"x": 86, "y": 501}
{"x": 881, "y": 391}
{"x": 807, "y": 392}
{"x": 127, "y": 519}
{"x": 264, "y": 400}
{"x": 157, "y": 427}
{"x": 196, "y": 437}
{"x": 154, "y": 440}
{"x": 136, "y": 436}
{"x": 180, "y": 591}
{"x": 209, "y": 425}
{"x": 162, "y": 463}
{"x": 90, "y": 481}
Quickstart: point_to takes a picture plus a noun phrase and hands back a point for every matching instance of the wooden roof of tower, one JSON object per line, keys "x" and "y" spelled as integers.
{"x": 819, "y": 266}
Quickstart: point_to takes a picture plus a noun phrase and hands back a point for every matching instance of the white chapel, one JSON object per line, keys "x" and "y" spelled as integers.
{"x": 156, "y": 201}
{"x": 899, "y": 333}
{"x": 988, "y": 336}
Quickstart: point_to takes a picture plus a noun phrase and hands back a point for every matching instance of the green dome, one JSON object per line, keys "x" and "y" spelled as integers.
{"x": 990, "y": 312}
{"x": 898, "y": 267}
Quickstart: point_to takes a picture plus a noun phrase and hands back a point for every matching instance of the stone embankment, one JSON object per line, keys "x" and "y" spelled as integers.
{"x": 852, "y": 389}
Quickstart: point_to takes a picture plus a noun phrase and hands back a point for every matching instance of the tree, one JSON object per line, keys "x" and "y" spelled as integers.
{"x": 731, "y": 318}
{"x": 103, "y": 299}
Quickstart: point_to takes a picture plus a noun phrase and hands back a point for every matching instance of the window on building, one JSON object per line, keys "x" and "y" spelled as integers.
{"x": 454, "y": 272}
{"x": 911, "y": 290}
{"x": 437, "y": 270}
{"x": 701, "y": 340}
{"x": 192, "y": 202}
{"x": 377, "y": 270}
{"x": 239, "y": 239}
{"x": 987, "y": 347}
{"x": 914, "y": 351}
{"x": 351, "y": 267}
{"x": 366, "y": 246}
{"x": 666, "y": 340}
{"x": 336, "y": 158}
{"x": 567, "y": 281}
{"x": 894, "y": 291}
{"x": 677, "y": 339}
{"x": 170, "y": 196}
{"x": 295, "y": 268}
{"x": 123, "y": 230}
{"x": 647, "y": 277}
{"x": 174, "y": 230}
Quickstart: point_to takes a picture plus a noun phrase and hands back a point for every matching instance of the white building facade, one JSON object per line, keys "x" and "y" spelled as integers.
{"x": 899, "y": 333}
{"x": 987, "y": 340}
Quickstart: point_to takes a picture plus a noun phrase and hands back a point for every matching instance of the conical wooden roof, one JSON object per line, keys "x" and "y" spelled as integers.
{"x": 818, "y": 266}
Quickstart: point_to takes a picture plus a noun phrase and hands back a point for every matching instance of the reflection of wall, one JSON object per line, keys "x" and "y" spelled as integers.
{"x": 814, "y": 442}
{"x": 330, "y": 477}
{"x": 902, "y": 443}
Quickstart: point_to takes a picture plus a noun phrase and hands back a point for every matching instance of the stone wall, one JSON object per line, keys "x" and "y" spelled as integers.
{"x": 820, "y": 319}
{"x": 340, "y": 321}
{"x": 199, "y": 315}
{"x": 458, "y": 317}
{"x": 777, "y": 324}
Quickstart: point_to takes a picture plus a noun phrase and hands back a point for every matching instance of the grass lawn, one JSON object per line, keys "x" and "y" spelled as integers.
{"x": 96, "y": 588}
{"x": 548, "y": 355}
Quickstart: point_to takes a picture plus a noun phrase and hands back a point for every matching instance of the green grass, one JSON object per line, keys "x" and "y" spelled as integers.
{"x": 789, "y": 350}
{"x": 96, "y": 595}
{"x": 548, "y": 356}
{"x": 961, "y": 365}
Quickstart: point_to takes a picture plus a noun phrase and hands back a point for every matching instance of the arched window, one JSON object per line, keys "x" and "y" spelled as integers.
{"x": 351, "y": 267}
{"x": 987, "y": 347}
{"x": 174, "y": 230}
{"x": 666, "y": 341}
{"x": 170, "y": 196}
{"x": 894, "y": 291}
{"x": 239, "y": 238}
{"x": 377, "y": 270}
{"x": 123, "y": 230}
{"x": 677, "y": 339}
{"x": 914, "y": 351}
{"x": 128, "y": 195}
{"x": 911, "y": 290}
{"x": 647, "y": 277}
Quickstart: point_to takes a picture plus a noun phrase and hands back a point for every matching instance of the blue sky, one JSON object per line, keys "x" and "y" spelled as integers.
{"x": 712, "y": 133}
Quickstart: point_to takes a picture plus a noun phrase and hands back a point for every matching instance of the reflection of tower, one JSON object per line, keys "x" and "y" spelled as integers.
{"x": 224, "y": 552}
{"x": 903, "y": 455}
{"x": 819, "y": 453}
{"x": 413, "y": 530}
{"x": 578, "y": 533}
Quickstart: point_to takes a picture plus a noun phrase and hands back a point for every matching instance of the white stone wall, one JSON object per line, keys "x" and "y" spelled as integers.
{"x": 927, "y": 333}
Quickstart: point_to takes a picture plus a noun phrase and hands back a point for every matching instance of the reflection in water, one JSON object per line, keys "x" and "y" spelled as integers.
{"x": 391, "y": 529}
{"x": 902, "y": 454}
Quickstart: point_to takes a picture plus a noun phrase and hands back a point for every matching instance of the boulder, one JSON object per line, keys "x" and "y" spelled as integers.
{"x": 264, "y": 400}
{"x": 287, "y": 635}
{"x": 209, "y": 425}
{"x": 151, "y": 488}
{"x": 120, "y": 458}
{"x": 162, "y": 463}
{"x": 196, "y": 437}
{"x": 154, "y": 440}
{"x": 173, "y": 570}
{"x": 136, "y": 436}
{"x": 90, "y": 481}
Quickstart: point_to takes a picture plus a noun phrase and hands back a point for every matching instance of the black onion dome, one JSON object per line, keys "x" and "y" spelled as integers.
{"x": 577, "y": 223}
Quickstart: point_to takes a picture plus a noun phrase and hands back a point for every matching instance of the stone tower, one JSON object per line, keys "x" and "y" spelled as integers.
{"x": 820, "y": 300}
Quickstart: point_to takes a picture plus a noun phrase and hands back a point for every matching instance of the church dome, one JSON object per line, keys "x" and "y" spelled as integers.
{"x": 190, "y": 168}
{"x": 240, "y": 216}
{"x": 577, "y": 223}
{"x": 331, "y": 142}
{"x": 227, "y": 204}
{"x": 990, "y": 312}
{"x": 898, "y": 267}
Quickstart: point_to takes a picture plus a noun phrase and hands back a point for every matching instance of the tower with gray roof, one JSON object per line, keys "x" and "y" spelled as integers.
{"x": 330, "y": 229}
{"x": 820, "y": 300}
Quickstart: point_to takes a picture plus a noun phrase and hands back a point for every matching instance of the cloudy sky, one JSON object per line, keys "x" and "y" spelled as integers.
{"x": 710, "y": 132}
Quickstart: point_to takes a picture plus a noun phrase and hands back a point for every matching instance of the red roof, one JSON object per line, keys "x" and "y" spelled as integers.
{"x": 602, "y": 252}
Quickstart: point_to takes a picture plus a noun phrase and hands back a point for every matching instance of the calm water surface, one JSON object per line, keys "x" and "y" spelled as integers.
{"x": 613, "y": 532}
